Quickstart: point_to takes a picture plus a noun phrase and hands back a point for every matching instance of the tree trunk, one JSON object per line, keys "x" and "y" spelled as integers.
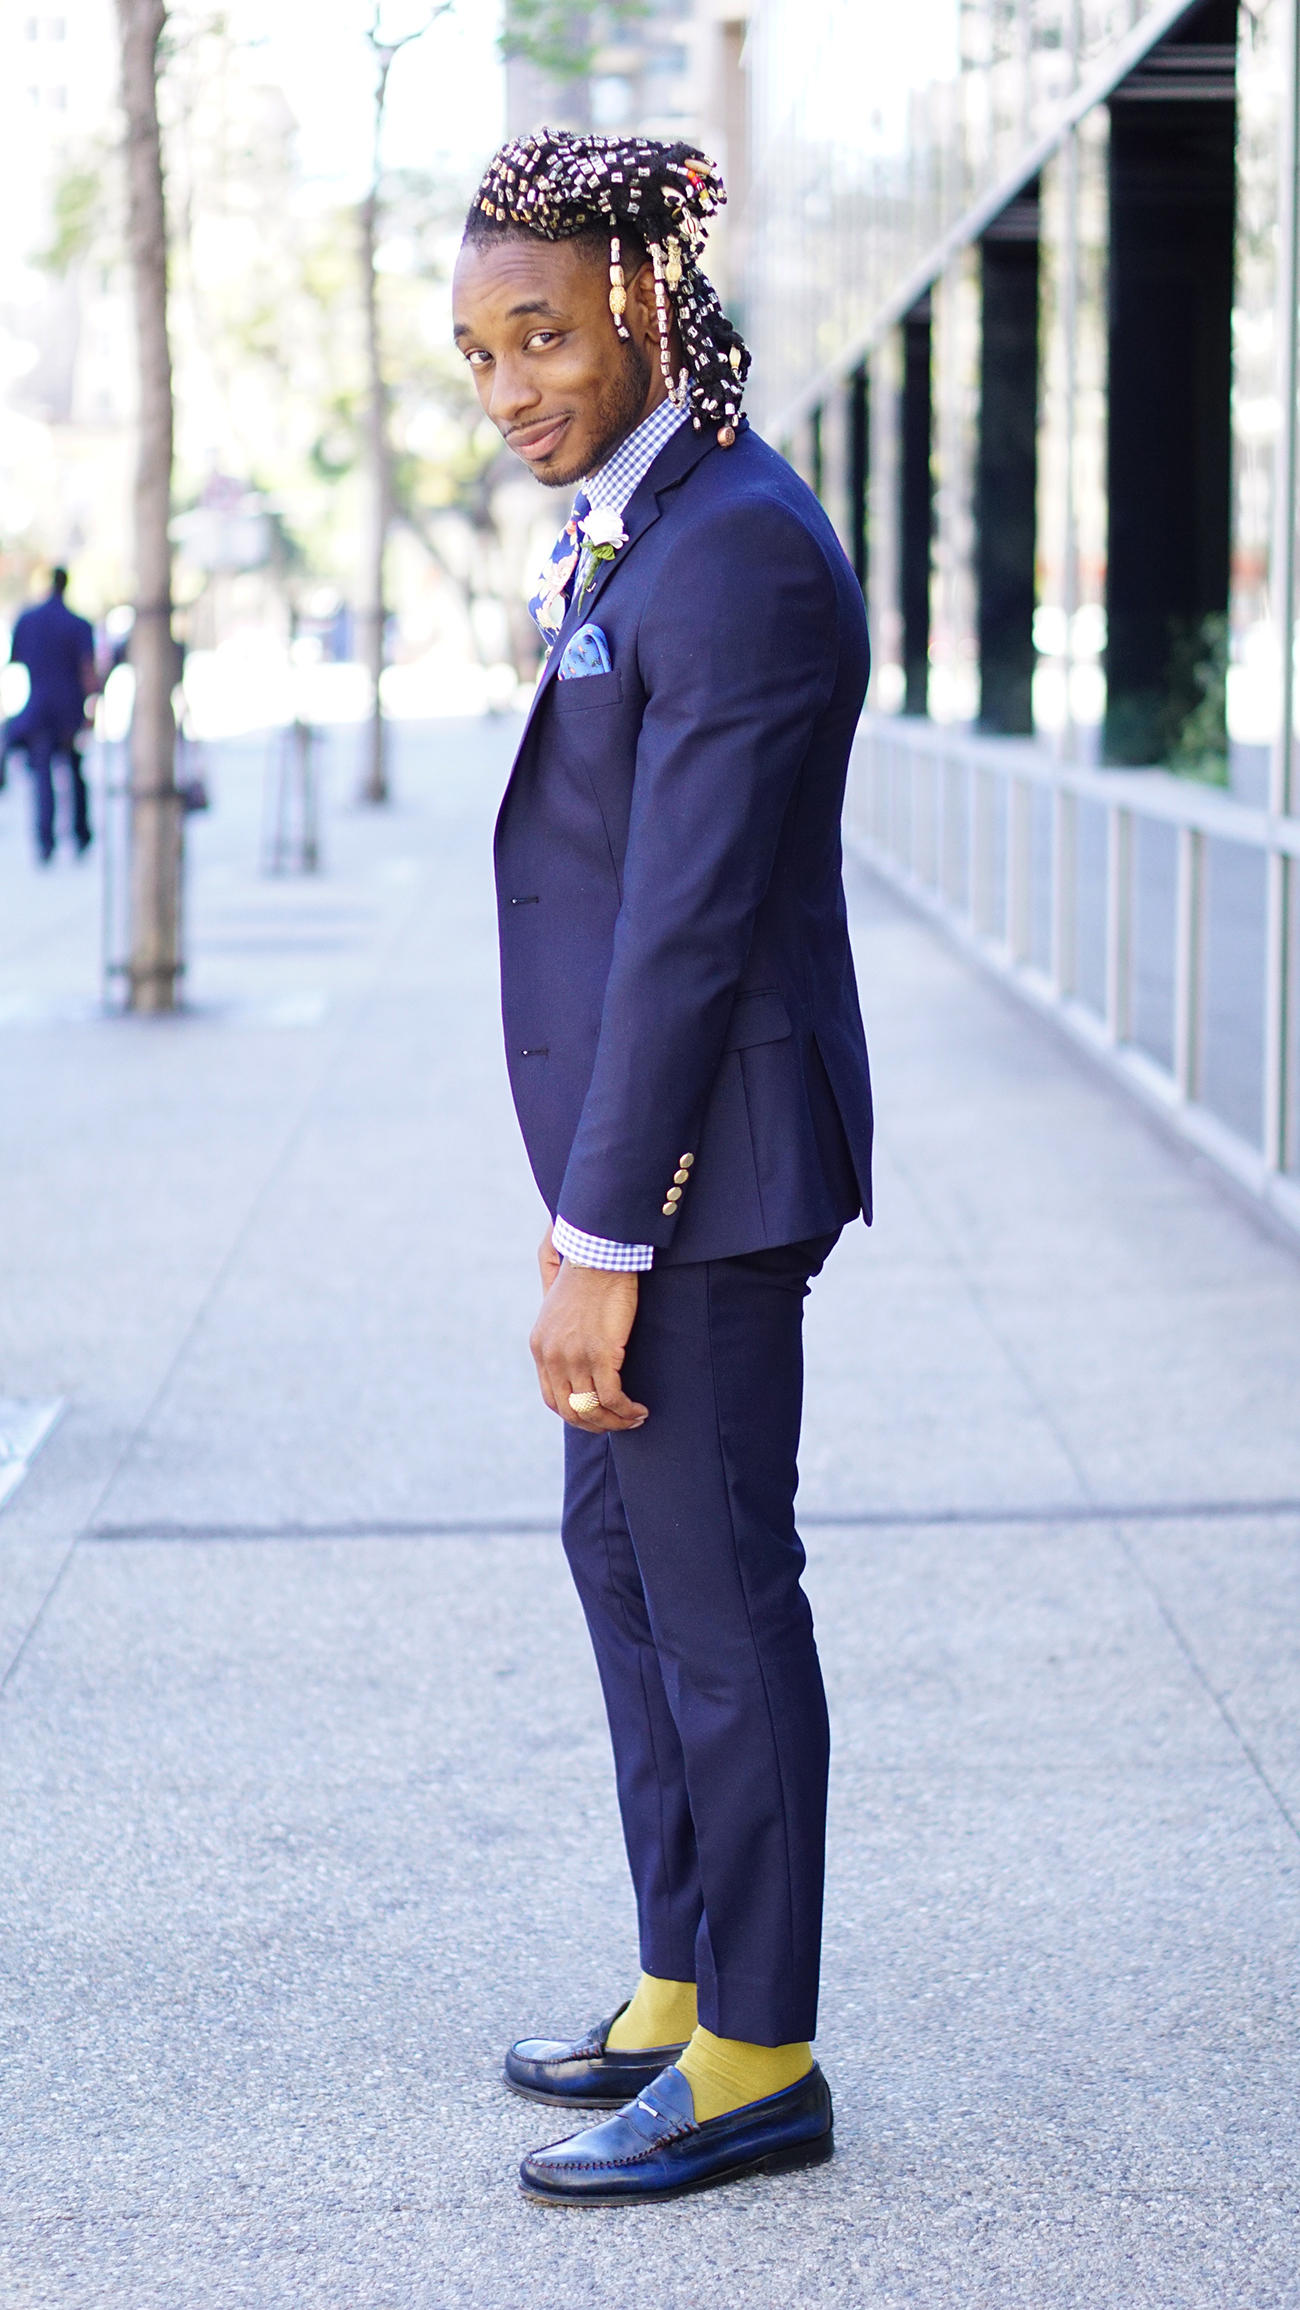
{"x": 156, "y": 818}
{"x": 379, "y": 509}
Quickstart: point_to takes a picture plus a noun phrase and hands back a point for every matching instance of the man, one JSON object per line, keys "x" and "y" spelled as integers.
{"x": 689, "y": 1069}
{"x": 58, "y": 650}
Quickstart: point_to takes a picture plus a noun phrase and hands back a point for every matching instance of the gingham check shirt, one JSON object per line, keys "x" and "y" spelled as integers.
{"x": 613, "y": 486}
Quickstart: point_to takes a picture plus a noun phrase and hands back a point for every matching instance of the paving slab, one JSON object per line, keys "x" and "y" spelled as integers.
{"x": 308, "y": 1806}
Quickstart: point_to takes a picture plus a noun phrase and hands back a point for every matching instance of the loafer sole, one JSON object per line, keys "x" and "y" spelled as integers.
{"x": 785, "y": 2161}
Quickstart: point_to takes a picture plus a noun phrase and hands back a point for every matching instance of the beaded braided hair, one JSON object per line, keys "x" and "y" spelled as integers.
{"x": 559, "y": 185}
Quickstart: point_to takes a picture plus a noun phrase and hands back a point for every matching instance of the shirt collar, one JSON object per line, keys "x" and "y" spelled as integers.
{"x": 618, "y": 478}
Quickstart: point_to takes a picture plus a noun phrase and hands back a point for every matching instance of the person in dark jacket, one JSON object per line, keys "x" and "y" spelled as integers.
{"x": 58, "y": 650}
{"x": 688, "y": 1064}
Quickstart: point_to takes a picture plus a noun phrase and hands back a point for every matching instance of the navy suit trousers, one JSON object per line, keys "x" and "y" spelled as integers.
{"x": 681, "y": 1539}
{"x": 43, "y": 748}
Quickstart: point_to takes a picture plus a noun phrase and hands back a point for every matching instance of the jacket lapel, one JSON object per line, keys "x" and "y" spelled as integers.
{"x": 680, "y": 454}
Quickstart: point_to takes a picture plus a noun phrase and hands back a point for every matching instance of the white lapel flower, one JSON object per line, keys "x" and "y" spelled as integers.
{"x": 603, "y": 532}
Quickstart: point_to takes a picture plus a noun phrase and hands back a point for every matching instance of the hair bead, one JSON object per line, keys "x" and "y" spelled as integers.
{"x": 617, "y": 288}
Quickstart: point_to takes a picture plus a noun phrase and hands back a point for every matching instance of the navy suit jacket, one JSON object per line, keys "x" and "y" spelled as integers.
{"x": 55, "y": 646}
{"x": 675, "y": 963}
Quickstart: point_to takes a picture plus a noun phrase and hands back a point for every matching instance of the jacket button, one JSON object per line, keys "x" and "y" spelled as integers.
{"x": 670, "y": 1211}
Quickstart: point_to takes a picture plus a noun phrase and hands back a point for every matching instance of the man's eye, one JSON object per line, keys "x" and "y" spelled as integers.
{"x": 543, "y": 337}
{"x": 478, "y": 360}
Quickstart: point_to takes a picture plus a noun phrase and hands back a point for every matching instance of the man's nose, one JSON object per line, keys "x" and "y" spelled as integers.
{"x": 514, "y": 393}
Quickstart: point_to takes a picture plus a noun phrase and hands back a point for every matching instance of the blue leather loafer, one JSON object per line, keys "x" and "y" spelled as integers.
{"x": 655, "y": 2149}
{"x": 585, "y": 2073}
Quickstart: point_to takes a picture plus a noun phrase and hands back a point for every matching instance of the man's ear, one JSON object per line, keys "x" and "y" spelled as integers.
{"x": 642, "y": 315}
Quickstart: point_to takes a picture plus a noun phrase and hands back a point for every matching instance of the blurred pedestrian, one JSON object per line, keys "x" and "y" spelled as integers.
{"x": 690, "y": 1073}
{"x": 58, "y": 650}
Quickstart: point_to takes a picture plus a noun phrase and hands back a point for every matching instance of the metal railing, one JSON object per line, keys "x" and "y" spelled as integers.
{"x": 1152, "y": 916}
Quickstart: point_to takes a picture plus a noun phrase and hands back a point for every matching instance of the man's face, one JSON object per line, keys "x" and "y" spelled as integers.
{"x": 532, "y": 319}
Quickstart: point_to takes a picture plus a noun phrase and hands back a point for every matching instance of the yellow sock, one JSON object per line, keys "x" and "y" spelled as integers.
{"x": 661, "y": 2013}
{"x": 725, "y": 2072}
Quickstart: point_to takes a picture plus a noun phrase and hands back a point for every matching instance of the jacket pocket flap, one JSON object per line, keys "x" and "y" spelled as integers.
{"x": 757, "y": 1018}
{"x": 587, "y": 690}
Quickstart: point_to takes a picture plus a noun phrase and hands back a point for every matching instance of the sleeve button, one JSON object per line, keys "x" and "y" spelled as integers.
{"x": 686, "y": 1161}
{"x": 680, "y": 1178}
{"x": 670, "y": 1211}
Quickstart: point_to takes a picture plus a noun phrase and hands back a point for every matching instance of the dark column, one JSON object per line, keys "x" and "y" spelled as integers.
{"x": 916, "y": 508}
{"x": 816, "y": 462}
{"x": 1173, "y": 124}
{"x": 1007, "y": 466}
{"x": 859, "y": 390}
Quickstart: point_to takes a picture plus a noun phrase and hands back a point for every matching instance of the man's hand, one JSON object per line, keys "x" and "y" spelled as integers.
{"x": 579, "y": 1341}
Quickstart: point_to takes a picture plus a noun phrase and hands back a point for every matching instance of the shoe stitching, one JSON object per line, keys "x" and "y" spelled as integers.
{"x": 638, "y": 2158}
{"x": 635, "y": 2158}
{"x": 592, "y": 2050}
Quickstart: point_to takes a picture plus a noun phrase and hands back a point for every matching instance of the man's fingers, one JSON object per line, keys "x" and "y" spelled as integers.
{"x": 543, "y": 1376}
{"x": 574, "y": 1384}
{"x": 609, "y": 1387}
{"x": 611, "y": 1410}
{"x": 561, "y": 1380}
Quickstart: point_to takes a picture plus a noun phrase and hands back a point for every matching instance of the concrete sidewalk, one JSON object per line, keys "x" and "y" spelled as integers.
{"x": 308, "y": 1807}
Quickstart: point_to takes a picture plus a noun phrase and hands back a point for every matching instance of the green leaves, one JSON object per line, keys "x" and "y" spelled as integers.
{"x": 79, "y": 204}
{"x": 562, "y": 37}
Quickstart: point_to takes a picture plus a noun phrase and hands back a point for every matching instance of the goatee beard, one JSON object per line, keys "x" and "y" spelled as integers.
{"x": 616, "y": 416}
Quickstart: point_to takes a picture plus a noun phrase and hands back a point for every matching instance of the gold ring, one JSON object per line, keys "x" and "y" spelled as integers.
{"x": 588, "y": 1401}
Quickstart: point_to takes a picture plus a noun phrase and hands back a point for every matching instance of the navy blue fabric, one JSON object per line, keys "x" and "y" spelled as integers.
{"x": 681, "y": 1539}
{"x": 42, "y": 751}
{"x": 56, "y": 647}
{"x": 676, "y": 973}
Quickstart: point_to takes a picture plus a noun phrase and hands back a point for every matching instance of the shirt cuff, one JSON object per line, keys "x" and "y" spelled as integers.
{"x": 598, "y": 1251}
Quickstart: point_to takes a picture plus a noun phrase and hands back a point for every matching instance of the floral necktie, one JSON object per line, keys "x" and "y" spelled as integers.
{"x": 550, "y": 603}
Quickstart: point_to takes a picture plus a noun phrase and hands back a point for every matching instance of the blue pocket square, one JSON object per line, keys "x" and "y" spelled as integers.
{"x": 586, "y": 652}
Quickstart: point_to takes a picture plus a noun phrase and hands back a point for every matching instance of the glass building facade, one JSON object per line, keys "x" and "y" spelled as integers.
{"x": 1020, "y": 280}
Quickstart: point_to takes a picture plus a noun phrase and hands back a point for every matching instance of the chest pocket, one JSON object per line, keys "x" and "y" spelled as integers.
{"x": 588, "y": 690}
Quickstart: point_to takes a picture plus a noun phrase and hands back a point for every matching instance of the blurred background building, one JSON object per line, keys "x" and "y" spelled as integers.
{"x": 1013, "y": 282}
